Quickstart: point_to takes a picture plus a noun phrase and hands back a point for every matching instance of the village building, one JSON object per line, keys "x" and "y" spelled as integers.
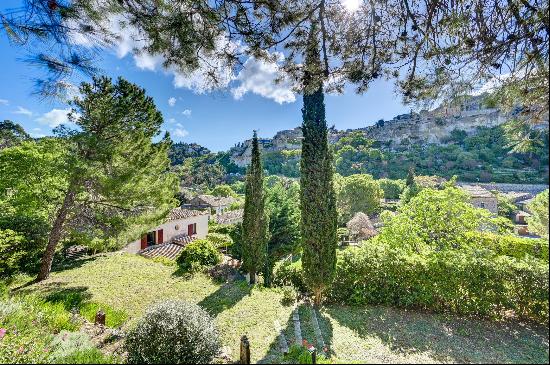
{"x": 481, "y": 198}
{"x": 230, "y": 217}
{"x": 181, "y": 227}
{"x": 217, "y": 205}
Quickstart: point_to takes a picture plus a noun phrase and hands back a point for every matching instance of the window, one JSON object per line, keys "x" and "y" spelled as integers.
{"x": 151, "y": 239}
{"x": 482, "y": 205}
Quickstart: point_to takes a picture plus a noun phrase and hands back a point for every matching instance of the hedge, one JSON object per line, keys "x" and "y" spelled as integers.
{"x": 473, "y": 282}
{"x": 508, "y": 245}
{"x": 465, "y": 281}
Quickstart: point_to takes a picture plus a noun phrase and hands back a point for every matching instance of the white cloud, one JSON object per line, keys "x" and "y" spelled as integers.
{"x": 171, "y": 121}
{"x": 187, "y": 112}
{"x": 172, "y": 101}
{"x": 180, "y": 132}
{"x": 259, "y": 77}
{"x": 4, "y": 102}
{"x": 22, "y": 111}
{"x": 55, "y": 117}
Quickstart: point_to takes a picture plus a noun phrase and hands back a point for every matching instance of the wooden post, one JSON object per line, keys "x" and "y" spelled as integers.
{"x": 313, "y": 352}
{"x": 100, "y": 318}
{"x": 245, "y": 350}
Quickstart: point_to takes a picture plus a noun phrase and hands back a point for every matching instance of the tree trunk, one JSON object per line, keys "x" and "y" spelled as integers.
{"x": 55, "y": 235}
{"x": 252, "y": 274}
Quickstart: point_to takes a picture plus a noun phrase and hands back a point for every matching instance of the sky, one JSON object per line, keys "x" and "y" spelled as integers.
{"x": 215, "y": 119}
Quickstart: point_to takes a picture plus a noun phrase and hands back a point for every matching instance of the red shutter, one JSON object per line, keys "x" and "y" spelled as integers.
{"x": 144, "y": 241}
{"x": 160, "y": 236}
{"x": 190, "y": 230}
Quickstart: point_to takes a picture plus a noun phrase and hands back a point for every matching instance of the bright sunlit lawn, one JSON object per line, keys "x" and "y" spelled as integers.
{"x": 128, "y": 284}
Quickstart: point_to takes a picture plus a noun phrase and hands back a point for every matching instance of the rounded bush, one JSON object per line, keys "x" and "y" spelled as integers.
{"x": 173, "y": 332}
{"x": 198, "y": 254}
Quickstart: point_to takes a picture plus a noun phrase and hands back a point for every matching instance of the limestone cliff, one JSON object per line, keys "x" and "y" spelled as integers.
{"x": 422, "y": 128}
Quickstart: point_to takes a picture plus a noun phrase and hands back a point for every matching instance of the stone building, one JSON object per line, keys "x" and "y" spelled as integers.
{"x": 481, "y": 198}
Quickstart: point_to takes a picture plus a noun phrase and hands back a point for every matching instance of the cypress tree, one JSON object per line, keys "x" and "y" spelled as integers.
{"x": 410, "y": 177}
{"x": 255, "y": 220}
{"x": 317, "y": 195}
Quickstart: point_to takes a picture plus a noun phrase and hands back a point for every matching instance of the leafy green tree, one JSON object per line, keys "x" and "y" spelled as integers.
{"x": 538, "y": 222}
{"x": 255, "y": 220}
{"x": 114, "y": 175}
{"x": 282, "y": 203}
{"x": 32, "y": 184}
{"x": 223, "y": 190}
{"x": 11, "y": 253}
{"x": 317, "y": 198}
{"x": 504, "y": 205}
{"x": 434, "y": 220}
{"x": 11, "y": 134}
{"x": 357, "y": 193}
{"x": 392, "y": 188}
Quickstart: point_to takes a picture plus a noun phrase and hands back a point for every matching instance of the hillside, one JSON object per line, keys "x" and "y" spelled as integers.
{"x": 425, "y": 127}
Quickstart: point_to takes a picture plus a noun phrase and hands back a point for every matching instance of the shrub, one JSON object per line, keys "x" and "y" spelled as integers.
{"x": 173, "y": 332}
{"x": 538, "y": 222}
{"x": 289, "y": 274}
{"x": 301, "y": 355}
{"x": 197, "y": 255}
{"x": 234, "y": 232}
{"x": 465, "y": 281}
{"x": 508, "y": 245}
{"x": 220, "y": 240}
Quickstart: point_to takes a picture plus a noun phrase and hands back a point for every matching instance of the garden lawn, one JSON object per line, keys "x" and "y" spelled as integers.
{"x": 129, "y": 284}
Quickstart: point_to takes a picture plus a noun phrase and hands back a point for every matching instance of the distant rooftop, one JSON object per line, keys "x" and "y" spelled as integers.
{"x": 182, "y": 213}
{"x": 477, "y": 191}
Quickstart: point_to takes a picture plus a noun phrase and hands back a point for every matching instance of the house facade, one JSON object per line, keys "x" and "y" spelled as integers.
{"x": 182, "y": 226}
{"x": 481, "y": 198}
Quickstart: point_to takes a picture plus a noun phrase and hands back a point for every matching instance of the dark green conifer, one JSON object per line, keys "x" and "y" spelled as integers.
{"x": 318, "y": 199}
{"x": 255, "y": 222}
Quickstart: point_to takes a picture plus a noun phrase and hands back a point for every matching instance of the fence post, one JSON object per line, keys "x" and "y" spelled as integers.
{"x": 245, "y": 350}
{"x": 313, "y": 352}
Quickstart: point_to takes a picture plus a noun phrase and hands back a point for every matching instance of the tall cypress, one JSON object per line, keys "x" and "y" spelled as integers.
{"x": 317, "y": 195}
{"x": 255, "y": 222}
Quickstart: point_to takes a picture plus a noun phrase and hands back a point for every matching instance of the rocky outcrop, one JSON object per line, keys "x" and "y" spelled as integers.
{"x": 423, "y": 127}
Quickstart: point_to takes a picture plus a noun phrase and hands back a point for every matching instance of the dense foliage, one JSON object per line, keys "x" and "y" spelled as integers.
{"x": 317, "y": 195}
{"x": 538, "y": 222}
{"x": 180, "y": 151}
{"x": 255, "y": 220}
{"x": 198, "y": 255}
{"x": 173, "y": 332}
{"x": 483, "y": 156}
{"x": 490, "y": 284}
{"x": 282, "y": 202}
{"x": 11, "y": 134}
{"x": 357, "y": 193}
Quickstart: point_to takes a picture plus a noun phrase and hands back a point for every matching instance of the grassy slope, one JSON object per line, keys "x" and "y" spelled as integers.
{"x": 132, "y": 283}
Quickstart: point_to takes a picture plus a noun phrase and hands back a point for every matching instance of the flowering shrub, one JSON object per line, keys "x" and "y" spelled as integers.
{"x": 173, "y": 332}
{"x": 198, "y": 255}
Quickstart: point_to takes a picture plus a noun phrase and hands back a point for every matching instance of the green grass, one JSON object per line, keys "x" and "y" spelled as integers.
{"x": 129, "y": 284}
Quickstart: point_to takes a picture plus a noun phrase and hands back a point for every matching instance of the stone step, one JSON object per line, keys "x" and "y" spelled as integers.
{"x": 283, "y": 345}
{"x": 317, "y": 329}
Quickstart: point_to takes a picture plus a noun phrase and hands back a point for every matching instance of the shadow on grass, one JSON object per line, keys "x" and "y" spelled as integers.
{"x": 227, "y": 295}
{"x": 67, "y": 264}
{"x": 446, "y": 337}
{"x": 274, "y": 355}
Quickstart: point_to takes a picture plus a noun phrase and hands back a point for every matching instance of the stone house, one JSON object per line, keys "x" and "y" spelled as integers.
{"x": 181, "y": 227}
{"x": 217, "y": 205}
{"x": 481, "y": 198}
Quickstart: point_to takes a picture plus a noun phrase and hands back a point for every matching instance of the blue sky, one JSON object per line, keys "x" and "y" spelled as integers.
{"x": 216, "y": 120}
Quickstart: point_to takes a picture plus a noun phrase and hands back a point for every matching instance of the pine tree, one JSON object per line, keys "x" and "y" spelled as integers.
{"x": 255, "y": 222}
{"x": 115, "y": 177}
{"x": 317, "y": 195}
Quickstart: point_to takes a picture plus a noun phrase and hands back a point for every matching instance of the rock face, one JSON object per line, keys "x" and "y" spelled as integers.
{"x": 422, "y": 128}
